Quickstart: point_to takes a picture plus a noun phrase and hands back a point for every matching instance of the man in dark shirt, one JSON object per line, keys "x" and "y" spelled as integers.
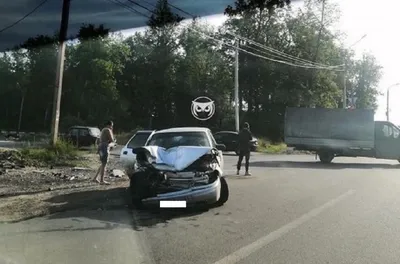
{"x": 244, "y": 148}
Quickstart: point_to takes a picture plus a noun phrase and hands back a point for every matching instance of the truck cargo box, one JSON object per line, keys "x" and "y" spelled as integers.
{"x": 319, "y": 128}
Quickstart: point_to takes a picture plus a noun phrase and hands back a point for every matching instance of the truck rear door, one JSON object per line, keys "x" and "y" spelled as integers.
{"x": 387, "y": 141}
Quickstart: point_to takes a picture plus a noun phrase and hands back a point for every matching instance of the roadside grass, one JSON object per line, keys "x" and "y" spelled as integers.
{"x": 265, "y": 146}
{"x": 62, "y": 154}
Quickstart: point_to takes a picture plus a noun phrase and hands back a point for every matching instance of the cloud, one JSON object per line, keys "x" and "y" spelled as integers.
{"x": 46, "y": 20}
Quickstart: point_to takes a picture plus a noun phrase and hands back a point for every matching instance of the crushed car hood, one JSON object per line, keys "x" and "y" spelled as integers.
{"x": 179, "y": 158}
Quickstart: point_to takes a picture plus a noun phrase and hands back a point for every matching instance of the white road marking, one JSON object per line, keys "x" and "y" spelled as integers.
{"x": 262, "y": 242}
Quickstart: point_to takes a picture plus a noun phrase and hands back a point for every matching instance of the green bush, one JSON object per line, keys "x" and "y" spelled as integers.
{"x": 62, "y": 153}
{"x": 265, "y": 146}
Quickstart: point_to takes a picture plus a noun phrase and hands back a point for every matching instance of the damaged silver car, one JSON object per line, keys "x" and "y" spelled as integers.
{"x": 181, "y": 164}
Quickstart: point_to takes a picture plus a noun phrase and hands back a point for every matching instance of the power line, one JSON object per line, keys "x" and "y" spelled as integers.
{"x": 263, "y": 57}
{"x": 173, "y": 6}
{"x": 142, "y": 6}
{"x": 147, "y": 2}
{"x": 24, "y": 17}
{"x": 280, "y": 53}
{"x": 298, "y": 60}
{"x": 266, "y": 58}
{"x": 183, "y": 11}
{"x": 129, "y": 8}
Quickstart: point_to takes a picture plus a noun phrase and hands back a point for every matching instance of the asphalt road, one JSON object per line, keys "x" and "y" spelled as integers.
{"x": 292, "y": 210}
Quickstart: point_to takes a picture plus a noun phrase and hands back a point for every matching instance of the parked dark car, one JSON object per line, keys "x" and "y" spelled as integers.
{"x": 82, "y": 136}
{"x": 230, "y": 140}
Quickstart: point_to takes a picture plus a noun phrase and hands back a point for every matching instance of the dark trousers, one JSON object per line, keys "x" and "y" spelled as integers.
{"x": 246, "y": 154}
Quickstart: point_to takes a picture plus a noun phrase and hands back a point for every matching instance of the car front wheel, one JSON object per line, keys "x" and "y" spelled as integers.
{"x": 224, "y": 192}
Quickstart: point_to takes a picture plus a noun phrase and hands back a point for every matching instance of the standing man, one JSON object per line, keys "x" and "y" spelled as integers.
{"x": 244, "y": 147}
{"x": 103, "y": 148}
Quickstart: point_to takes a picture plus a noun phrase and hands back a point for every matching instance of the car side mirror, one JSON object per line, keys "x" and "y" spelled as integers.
{"x": 221, "y": 147}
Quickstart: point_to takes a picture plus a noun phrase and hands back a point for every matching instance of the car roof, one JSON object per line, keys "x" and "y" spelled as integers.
{"x": 144, "y": 131}
{"x": 84, "y": 127}
{"x": 182, "y": 129}
{"x": 226, "y": 132}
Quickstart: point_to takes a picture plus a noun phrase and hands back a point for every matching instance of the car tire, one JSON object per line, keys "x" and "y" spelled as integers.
{"x": 224, "y": 192}
{"x": 326, "y": 157}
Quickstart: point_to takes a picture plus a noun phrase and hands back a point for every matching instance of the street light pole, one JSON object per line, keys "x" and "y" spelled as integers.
{"x": 387, "y": 105}
{"x": 345, "y": 85}
{"x": 387, "y": 100}
{"x": 237, "y": 85}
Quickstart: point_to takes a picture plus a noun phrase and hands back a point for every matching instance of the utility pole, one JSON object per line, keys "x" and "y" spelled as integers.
{"x": 237, "y": 85}
{"x": 344, "y": 85}
{"x": 387, "y": 105}
{"x": 388, "y": 100}
{"x": 60, "y": 70}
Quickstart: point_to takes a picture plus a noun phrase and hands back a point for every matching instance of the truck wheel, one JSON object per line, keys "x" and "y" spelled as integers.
{"x": 326, "y": 157}
{"x": 224, "y": 192}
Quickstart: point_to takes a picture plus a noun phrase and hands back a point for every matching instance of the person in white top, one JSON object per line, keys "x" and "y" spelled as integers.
{"x": 103, "y": 148}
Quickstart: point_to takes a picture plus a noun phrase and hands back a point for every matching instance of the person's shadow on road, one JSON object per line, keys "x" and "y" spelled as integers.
{"x": 320, "y": 165}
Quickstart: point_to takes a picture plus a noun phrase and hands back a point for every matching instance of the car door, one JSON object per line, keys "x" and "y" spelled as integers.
{"x": 387, "y": 141}
{"x": 84, "y": 137}
{"x": 233, "y": 140}
{"x": 220, "y": 154}
{"x": 73, "y": 135}
{"x": 227, "y": 140}
{"x": 127, "y": 157}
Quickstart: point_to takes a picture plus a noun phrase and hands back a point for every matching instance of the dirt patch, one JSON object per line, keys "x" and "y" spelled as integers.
{"x": 16, "y": 178}
{"x": 27, "y": 191}
{"x": 22, "y": 207}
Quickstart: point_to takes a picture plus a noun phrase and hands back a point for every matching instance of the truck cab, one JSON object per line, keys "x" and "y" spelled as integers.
{"x": 387, "y": 140}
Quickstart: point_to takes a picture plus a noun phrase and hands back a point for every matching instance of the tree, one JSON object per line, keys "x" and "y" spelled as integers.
{"x": 248, "y": 6}
{"x": 90, "y": 91}
{"x": 163, "y": 60}
{"x": 365, "y": 79}
{"x": 202, "y": 71}
{"x": 163, "y": 16}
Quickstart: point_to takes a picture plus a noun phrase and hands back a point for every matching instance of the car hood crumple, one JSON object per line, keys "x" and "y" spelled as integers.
{"x": 178, "y": 158}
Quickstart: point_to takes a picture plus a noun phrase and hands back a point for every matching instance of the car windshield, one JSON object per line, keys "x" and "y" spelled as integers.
{"x": 138, "y": 140}
{"x": 176, "y": 139}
